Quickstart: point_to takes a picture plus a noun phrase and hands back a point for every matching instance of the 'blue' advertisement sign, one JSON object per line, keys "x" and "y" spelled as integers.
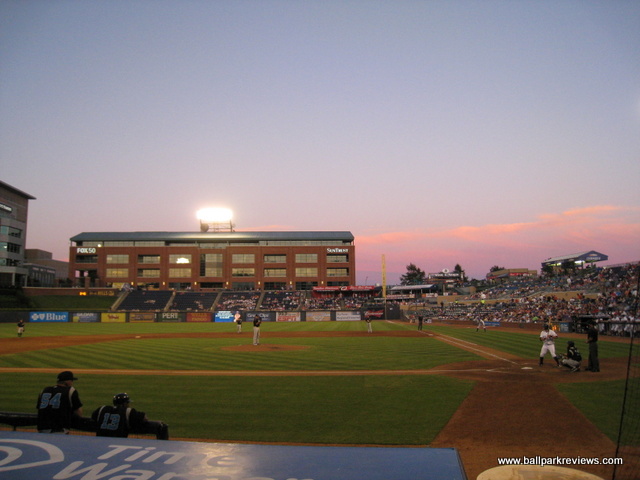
{"x": 49, "y": 317}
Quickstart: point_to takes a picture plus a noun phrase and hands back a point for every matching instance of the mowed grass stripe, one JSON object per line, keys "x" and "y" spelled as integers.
{"x": 320, "y": 353}
{"x": 527, "y": 344}
{"x": 8, "y": 330}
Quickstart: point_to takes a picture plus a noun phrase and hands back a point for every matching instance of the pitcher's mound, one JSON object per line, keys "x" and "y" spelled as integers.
{"x": 265, "y": 348}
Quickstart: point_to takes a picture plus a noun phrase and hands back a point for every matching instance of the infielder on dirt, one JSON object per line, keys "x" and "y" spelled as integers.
{"x": 547, "y": 337}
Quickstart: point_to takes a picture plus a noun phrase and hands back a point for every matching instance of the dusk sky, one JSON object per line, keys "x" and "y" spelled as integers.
{"x": 438, "y": 132}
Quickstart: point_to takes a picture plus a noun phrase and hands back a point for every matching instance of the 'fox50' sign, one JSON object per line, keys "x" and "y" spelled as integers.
{"x": 49, "y": 317}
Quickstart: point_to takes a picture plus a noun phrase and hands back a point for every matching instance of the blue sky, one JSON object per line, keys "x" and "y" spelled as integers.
{"x": 438, "y": 132}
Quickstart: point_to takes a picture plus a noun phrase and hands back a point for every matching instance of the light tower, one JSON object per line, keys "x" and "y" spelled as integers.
{"x": 215, "y": 219}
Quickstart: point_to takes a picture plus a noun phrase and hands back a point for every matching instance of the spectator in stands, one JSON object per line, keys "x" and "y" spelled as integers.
{"x": 120, "y": 419}
{"x": 59, "y": 406}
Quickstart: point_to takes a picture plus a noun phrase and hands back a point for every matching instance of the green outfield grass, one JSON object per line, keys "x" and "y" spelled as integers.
{"x": 526, "y": 344}
{"x": 357, "y": 409}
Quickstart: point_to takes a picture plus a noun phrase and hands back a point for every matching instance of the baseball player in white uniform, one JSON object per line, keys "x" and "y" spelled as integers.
{"x": 547, "y": 337}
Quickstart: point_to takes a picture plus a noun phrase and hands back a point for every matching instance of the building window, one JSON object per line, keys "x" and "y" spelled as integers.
{"x": 148, "y": 273}
{"x": 117, "y": 272}
{"x": 275, "y": 259}
{"x": 306, "y": 272}
{"x": 211, "y": 265}
{"x": 337, "y": 272}
{"x": 117, "y": 258}
{"x": 306, "y": 285}
{"x": 306, "y": 258}
{"x": 86, "y": 259}
{"x": 118, "y": 244}
{"x": 243, "y": 272}
{"x": 10, "y": 231}
{"x": 211, "y": 272}
{"x": 148, "y": 258}
{"x": 275, "y": 272}
{"x": 243, "y": 258}
{"x": 10, "y": 247}
{"x": 183, "y": 258}
{"x": 179, "y": 272}
{"x": 337, "y": 258}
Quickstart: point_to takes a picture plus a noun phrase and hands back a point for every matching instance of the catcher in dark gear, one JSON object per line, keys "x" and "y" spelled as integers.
{"x": 573, "y": 357}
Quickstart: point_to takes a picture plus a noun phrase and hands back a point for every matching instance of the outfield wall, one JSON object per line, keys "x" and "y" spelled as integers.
{"x": 201, "y": 317}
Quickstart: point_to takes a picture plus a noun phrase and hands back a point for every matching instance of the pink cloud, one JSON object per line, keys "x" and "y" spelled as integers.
{"x": 612, "y": 230}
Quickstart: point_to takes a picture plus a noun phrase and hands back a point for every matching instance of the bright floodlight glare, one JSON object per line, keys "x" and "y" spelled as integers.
{"x": 215, "y": 215}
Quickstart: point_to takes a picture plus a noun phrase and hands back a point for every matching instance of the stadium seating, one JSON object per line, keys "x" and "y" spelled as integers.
{"x": 145, "y": 300}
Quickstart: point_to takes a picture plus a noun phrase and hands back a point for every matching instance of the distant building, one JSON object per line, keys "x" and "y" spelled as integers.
{"x": 579, "y": 260}
{"x": 14, "y": 209}
{"x": 213, "y": 260}
{"x": 44, "y": 259}
{"x": 511, "y": 273}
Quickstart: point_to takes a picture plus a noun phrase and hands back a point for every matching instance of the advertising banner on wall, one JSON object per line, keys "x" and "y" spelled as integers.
{"x": 142, "y": 317}
{"x": 28, "y": 456}
{"x": 170, "y": 317}
{"x": 223, "y": 316}
{"x": 348, "y": 316}
{"x": 318, "y": 316}
{"x": 198, "y": 317}
{"x": 374, "y": 313}
{"x": 85, "y": 317}
{"x": 265, "y": 316}
{"x": 113, "y": 317}
{"x": 287, "y": 316}
{"x": 49, "y": 317}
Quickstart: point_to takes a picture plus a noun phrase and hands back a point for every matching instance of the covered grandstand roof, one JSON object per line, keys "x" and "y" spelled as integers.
{"x": 210, "y": 236}
{"x": 408, "y": 288}
{"x": 588, "y": 257}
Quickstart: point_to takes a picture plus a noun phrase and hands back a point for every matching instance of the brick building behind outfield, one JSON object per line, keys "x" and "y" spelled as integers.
{"x": 212, "y": 260}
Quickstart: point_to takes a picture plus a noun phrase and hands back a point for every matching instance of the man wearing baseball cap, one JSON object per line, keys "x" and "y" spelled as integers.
{"x": 58, "y": 405}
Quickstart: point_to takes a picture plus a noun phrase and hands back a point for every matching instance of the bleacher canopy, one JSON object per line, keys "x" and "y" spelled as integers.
{"x": 411, "y": 288}
{"x": 585, "y": 257}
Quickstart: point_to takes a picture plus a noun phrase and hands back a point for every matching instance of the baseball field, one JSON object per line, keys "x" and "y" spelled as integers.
{"x": 334, "y": 383}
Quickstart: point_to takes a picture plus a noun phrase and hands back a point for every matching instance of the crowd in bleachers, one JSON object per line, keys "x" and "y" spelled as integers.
{"x": 143, "y": 300}
{"x": 607, "y": 295}
{"x": 282, "y": 300}
{"x": 193, "y": 301}
{"x": 230, "y": 301}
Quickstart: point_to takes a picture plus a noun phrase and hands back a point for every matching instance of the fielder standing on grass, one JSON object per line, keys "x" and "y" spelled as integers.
{"x": 547, "y": 337}
{"x": 238, "y": 320}
{"x": 20, "y": 327}
{"x": 257, "y": 321}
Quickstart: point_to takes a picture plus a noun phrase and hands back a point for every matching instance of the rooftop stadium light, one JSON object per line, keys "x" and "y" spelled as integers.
{"x": 215, "y": 219}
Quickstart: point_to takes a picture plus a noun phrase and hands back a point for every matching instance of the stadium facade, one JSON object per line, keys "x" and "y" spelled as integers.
{"x": 212, "y": 260}
{"x": 14, "y": 209}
